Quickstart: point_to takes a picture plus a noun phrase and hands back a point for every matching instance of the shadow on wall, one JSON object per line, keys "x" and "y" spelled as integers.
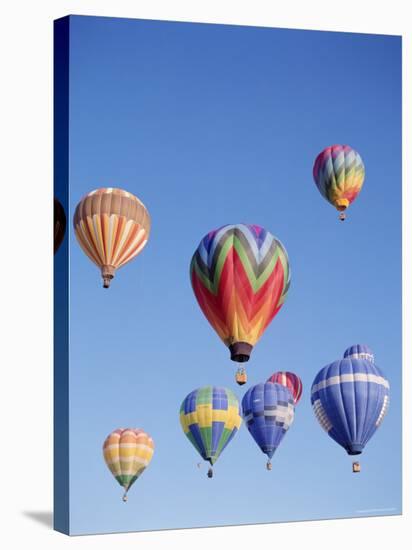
{"x": 44, "y": 518}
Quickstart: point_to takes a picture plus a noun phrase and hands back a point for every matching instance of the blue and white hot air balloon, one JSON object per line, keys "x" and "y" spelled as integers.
{"x": 268, "y": 410}
{"x": 350, "y": 398}
{"x": 359, "y": 351}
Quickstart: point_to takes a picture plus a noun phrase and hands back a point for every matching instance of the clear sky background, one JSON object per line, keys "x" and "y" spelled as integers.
{"x": 210, "y": 125}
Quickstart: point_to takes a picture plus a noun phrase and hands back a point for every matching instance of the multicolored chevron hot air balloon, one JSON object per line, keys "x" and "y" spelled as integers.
{"x": 339, "y": 173}
{"x": 291, "y": 381}
{"x": 210, "y": 418}
{"x": 350, "y": 398}
{"x": 59, "y": 224}
{"x": 268, "y": 411}
{"x": 240, "y": 277}
{"x": 359, "y": 351}
{"x": 127, "y": 452}
{"x": 112, "y": 227}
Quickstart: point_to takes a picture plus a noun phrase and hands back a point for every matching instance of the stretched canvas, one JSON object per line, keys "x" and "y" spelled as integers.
{"x": 227, "y": 289}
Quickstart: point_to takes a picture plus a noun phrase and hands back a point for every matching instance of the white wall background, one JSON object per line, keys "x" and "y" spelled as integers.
{"x": 26, "y": 268}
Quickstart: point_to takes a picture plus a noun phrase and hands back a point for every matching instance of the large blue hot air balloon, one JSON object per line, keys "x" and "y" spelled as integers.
{"x": 268, "y": 410}
{"x": 359, "y": 351}
{"x": 350, "y": 398}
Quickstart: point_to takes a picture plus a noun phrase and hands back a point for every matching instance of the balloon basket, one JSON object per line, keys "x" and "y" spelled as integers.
{"x": 356, "y": 467}
{"x": 210, "y": 473}
{"x": 124, "y": 497}
{"x": 268, "y": 465}
{"x": 108, "y": 272}
{"x": 241, "y": 376}
{"x": 342, "y": 216}
{"x": 106, "y": 282}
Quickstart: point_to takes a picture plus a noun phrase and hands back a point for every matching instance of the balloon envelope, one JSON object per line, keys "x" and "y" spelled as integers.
{"x": 359, "y": 351}
{"x": 291, "y": 381}
{"x": 59, "y": 224}
{"x": 240, "y": 277}
{"x": 350, "y": 398}
{"x": 127, "y": 453}
{"x": 339, "y": 173}
{"x": 112, "y": 227}
{"x": 210, "y": 418}
{"x": 268, "y": 411}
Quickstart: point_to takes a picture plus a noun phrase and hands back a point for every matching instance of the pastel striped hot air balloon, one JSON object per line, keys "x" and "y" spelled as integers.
{"x": 112, "y": 226}
{"x": 210, "y": 418}
{"x": 359, "y": 351}
{"x": 350, "y": 398}
{"x": 268, "y": 410}
{"x": 291, "y": 381}
{"x": 339, "y": 173}
{"x": 127, "y": 453}
{"x": 240, "y": 276}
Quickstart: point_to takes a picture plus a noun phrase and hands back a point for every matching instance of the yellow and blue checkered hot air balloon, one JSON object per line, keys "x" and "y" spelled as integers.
{"x": 210, "y": 417}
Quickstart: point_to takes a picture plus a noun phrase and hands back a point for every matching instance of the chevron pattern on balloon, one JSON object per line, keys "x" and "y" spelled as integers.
{"x": 240, "y": 276}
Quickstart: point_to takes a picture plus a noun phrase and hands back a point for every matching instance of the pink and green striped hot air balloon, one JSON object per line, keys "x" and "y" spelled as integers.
{"x": 339, "y": 173}
{"x": 240, "y": 276}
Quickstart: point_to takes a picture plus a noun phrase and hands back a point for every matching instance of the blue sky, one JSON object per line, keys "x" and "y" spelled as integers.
{"x": 210, "y": 125}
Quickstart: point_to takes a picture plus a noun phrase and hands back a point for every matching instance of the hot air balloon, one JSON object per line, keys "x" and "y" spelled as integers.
{"x": 268, "y": 410}
{"x": 240, "y": 277}
{"x": 59, "y": 224}
{"x": 350, "y": 398}
{"x": 291, "y": 381}
{"x": 210, "y": 418}
{"x": 339, "y": 173}
{"x": 359, "y": 351}
{"x": 112, "y": 227}
{"x": 127, "y": 453}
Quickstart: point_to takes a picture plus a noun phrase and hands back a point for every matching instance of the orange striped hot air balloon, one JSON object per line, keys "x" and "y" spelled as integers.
{"x": 112, "y": 227}
{"x": 127, "y": 453}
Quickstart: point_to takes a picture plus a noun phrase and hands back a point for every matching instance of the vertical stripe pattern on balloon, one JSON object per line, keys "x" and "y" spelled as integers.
{"x": 359, "y": 351}
{"x": 350, "y": 398}
{"x": 112, "y": 227}
{"x": 339, "y": 173}
{"x": 291, "y": 381}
